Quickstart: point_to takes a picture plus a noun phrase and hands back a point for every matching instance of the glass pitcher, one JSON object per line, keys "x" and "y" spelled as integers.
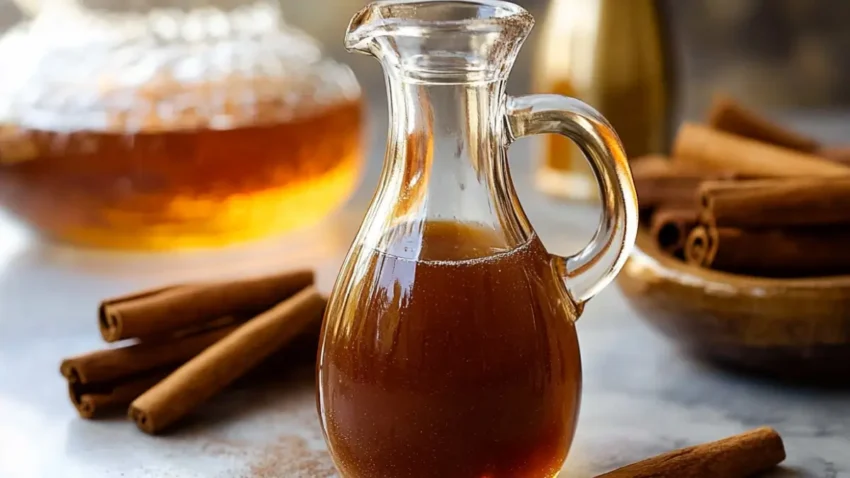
{"x": 449, "y": 347}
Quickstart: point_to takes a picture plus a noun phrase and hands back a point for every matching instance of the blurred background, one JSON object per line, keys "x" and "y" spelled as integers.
{"x": 777, "y": 54}
{"x": 774, "y": 53}
{"x": 651, "y": 64}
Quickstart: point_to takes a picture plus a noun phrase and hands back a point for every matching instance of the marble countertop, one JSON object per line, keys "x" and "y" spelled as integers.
{"x": 641, "y": 395}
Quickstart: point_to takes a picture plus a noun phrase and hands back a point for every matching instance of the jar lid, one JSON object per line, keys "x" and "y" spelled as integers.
{"x": 168, "y": 70}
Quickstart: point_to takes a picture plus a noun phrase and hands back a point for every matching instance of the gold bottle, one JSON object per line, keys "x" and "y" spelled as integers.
{"x": 613, "y": 55}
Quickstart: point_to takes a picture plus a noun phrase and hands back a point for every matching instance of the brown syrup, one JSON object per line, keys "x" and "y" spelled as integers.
{"x": 464, "y": 363}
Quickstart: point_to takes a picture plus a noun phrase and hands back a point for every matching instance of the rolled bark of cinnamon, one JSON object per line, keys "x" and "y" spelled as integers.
{"x": 93, "y": 400}
{"x": 776, "y": 202}
{"x": 225, "y": 361}
{"x": 671, "y": 227}
{"x": 166, "y": 310}
{"x": 738, "y": 456}
{"x": 730, "y": 116}
{"x": 660, "y": 183}
{"x": 701, "y": 246}
{"x": 771, "y": 252}
{"x": 707, "y": 148}
{"x": 117, "y": 363}
{"x": 839, "y": 154}
{"x": 650, "y": 164}
{"x": 671, "y": 191}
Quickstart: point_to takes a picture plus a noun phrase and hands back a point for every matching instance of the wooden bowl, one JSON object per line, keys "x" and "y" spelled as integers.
{"x": 795, "y": 329}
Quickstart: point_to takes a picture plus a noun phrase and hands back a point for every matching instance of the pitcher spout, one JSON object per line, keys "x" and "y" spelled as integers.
{"x": 434, "y": 40}
{"x": 362, "y": 29}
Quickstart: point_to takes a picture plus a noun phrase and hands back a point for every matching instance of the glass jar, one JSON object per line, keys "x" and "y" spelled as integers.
{"x": 194, "y": 125}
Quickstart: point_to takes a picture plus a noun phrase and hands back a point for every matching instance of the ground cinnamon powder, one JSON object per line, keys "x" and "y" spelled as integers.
{"x": 292, "y": 457}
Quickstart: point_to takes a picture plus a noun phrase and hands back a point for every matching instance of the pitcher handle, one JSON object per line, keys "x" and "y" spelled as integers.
{"x": 595, "y": 266}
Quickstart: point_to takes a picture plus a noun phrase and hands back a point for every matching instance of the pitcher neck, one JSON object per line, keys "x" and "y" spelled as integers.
{"x": 446, "y": 63}
{"x": 446, "y": 161}
{"x": 450, "y": 127}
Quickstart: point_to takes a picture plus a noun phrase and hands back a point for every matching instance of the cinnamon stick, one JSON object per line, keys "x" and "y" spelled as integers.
{"x": 661, "y": 183}
{"x": 116, "y": 363}
{"x": 738, "y": 456}
{"x": 776, "y": 202}
{"x": 226, "y": 360}
{"x": 771, "y": 252}
{"x": 671, "y": 227}
{"x": 93, "y": 400}
{"x": 166, "y": 310}
{"x": 714, "y": 150}
{"x": 730, "y": 116}
{"x": 701, "y": 246}
{"x": 839, "y": 154}
{"x": 650, "y": 164}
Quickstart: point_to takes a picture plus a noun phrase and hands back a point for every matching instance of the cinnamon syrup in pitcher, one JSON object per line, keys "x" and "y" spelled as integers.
{"x": 448, "y": 345}
{"x": 461, "y": 363}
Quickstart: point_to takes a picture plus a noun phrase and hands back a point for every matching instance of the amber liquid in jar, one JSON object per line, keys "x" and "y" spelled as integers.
{"x": 461, "y": 364}
{"x": 182, "y": 188}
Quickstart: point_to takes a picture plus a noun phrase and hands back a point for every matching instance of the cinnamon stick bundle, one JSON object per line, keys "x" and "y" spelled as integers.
{"x": 738, "y": 456}
{"x": 776, "y": 202}
{"x": 225, "y": 361}
{"x": 102, "y": 380}
{"x": 771, "y": 252}
{"x": 730, "y": 116}
{"x": 166, "y": 310}
{"x": 714, "y": 150}
{"x": 671, "y": 227}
